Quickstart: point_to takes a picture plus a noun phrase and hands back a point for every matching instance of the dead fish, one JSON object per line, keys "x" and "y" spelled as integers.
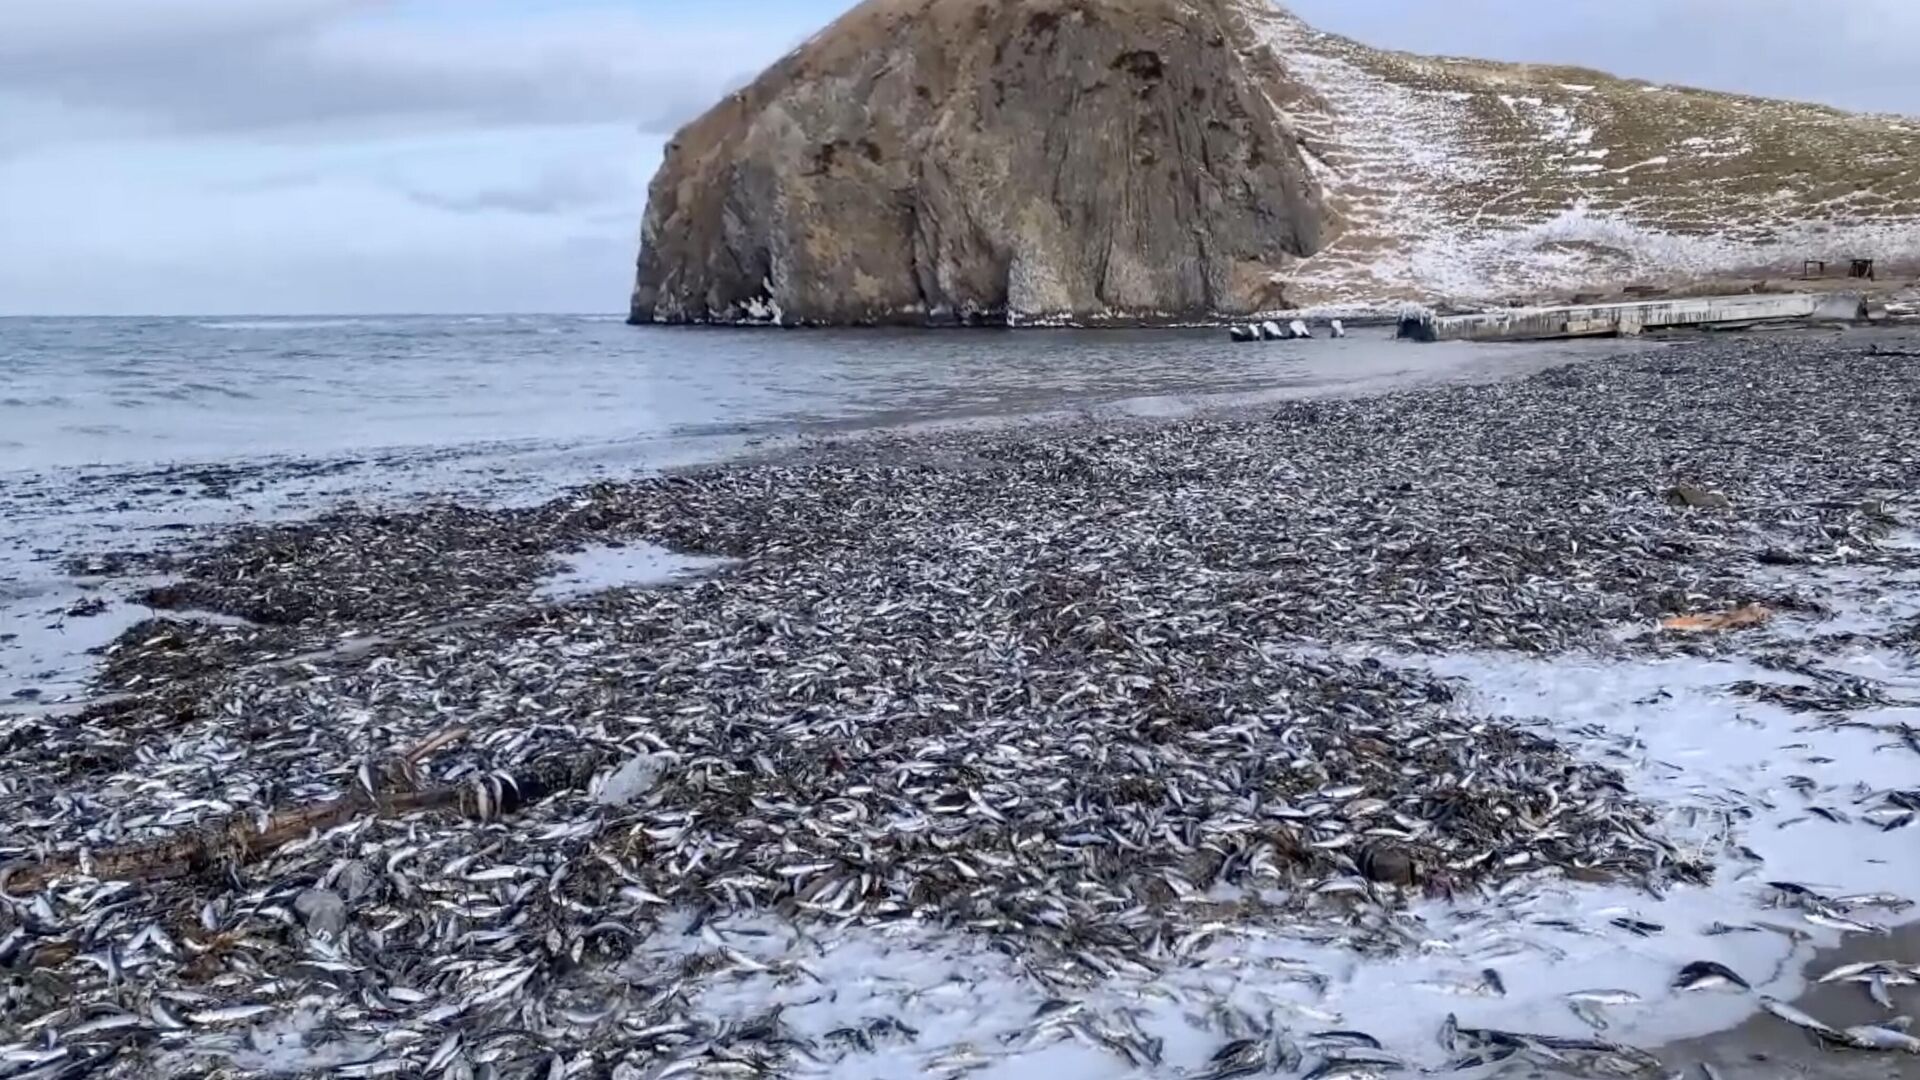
{"x": 1241, "y": 1057}
{"x": 1889, "y": 901}
{"x": 1708, "y": 975}
{"x": 1605, "y": 997}
{"x": 1342, "y": 1069}
{"x": 1877, "y": 990}
{"x": 1844, "y": 924}
{"x": 1346, "y": 1038}
{"x": 1799, "y": 1019}
{"x": 112, "y": 1022}
{"x": 1591, "y": 1014}
{"x": 1875, "y": 1037}
{"x": 1848, "y": 971}
{"x": 1638, "y": 927}
{"x": 231, "y": 1014}
{"x": 1489, "y": 984}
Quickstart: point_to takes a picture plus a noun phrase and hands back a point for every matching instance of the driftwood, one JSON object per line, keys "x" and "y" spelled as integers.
{"x": 237, "y": 839}
{"x": 1739, "y": 618}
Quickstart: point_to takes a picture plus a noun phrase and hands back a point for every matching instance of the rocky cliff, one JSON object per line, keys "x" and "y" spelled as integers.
{"x": 1084, "y": 160}
{"x": 964, "y": 160}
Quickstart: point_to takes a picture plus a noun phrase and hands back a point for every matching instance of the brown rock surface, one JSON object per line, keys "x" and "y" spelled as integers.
{"x": 990, "y": 160}
{"x": 1141, "y": 160}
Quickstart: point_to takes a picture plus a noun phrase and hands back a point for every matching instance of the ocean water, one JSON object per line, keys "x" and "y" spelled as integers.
{"x": 121, "y": 434}
{"x": 77, "y": 392}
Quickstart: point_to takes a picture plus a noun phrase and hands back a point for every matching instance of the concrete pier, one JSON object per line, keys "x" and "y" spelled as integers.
{"x": 1630, "y": 319}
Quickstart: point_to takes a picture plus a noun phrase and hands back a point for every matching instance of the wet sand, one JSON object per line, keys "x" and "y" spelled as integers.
{"x": 1767, "y": 1048}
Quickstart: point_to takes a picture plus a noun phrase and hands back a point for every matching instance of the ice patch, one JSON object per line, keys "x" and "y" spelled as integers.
{"x": 290, "y": 1045}
{"x": 631, "y": 781}
{"x": 602, "y": 567}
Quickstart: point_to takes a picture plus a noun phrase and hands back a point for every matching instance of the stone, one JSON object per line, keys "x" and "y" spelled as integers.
{"x": 961, "y": 161}
{"x": 634, "y": 779}
{"x": 1389, "y": 865}
{"x": 357, "y": 880}
{"x": 323, "y": 911}
{"x": 1698, "y": 498}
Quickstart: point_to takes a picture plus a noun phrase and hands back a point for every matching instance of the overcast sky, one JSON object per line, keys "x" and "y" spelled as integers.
{"x": 299, "y": 156}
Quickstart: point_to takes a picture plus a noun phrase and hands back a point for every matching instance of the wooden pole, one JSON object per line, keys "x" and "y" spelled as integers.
{"x": 238, "y": 839}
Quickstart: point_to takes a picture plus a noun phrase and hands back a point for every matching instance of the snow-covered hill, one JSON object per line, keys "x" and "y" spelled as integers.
{"x": 1474, "y": 182}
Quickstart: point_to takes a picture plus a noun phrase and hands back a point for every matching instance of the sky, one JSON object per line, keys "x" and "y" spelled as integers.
{"x": 344, "y": 156}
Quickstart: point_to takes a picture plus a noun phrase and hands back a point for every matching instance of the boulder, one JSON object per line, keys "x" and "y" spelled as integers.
{"x": 1699, "y": 498}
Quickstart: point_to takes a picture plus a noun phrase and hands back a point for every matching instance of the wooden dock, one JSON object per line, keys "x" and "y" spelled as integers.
{"x": 1636, "y": 317}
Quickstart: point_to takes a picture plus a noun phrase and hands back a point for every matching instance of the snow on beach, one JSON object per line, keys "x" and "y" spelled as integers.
{"x": 1728, "y": 773}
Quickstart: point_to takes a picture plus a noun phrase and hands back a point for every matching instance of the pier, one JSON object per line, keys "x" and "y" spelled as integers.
{"x": 1635, "y": 317}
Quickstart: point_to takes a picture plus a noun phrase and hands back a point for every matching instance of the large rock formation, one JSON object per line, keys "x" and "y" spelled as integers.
{"x": 1086, "y": 160}
{"x": 961, "y": 160}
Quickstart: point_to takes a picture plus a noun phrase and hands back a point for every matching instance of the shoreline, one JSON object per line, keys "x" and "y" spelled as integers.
{"x": 176, "y": 506}
{"x": 962, "y": 631}
{"x": 1895, "y": 290}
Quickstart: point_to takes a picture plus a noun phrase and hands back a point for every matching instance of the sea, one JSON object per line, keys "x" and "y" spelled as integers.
{"x": 122, "y": 434}
{"x": 90, "y": 392}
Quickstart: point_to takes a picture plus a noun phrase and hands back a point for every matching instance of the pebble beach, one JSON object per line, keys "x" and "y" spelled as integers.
{"x": 1479, "y": 727}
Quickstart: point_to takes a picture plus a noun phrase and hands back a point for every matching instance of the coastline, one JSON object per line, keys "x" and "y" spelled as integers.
{"x": 1524, "y": 518}
{"x": 135, "y": 505}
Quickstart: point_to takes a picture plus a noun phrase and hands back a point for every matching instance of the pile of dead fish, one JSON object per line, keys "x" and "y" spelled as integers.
{"x": 1065, "y": 690}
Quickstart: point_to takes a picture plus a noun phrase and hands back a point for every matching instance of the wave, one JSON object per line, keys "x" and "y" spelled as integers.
{"x": 288, "y": 324}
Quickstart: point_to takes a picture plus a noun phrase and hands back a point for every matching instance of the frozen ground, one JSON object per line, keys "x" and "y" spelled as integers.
{"x": 599, "y": 568}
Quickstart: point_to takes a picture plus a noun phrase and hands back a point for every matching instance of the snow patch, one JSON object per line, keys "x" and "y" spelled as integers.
{"x": 605, "y": 566}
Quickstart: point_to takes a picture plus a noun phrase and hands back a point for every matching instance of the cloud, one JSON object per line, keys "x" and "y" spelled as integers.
{"x": 560, "y": 187}
{"x": 294, "y": 66}
{"x": 523, "y": 218}
{"x": 1856, "y": 55}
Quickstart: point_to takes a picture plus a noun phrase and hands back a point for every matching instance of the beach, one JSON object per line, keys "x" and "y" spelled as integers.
{"x": 1434, "y": 726}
